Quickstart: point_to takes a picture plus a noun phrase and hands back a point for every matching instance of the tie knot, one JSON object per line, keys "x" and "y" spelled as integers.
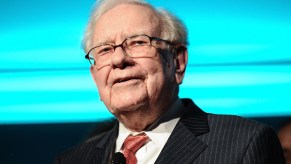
{"x": 133, "y": 143}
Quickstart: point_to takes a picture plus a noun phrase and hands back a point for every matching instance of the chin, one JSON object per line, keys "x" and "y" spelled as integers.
{"x": 129, "y": 105}
{"x": 128, "y": 98}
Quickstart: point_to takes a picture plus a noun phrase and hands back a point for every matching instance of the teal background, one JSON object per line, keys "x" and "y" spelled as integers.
{"x": 239, "y": 63}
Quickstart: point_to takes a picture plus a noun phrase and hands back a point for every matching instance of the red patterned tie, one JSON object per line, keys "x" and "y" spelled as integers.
{"x": 131, "y": 145}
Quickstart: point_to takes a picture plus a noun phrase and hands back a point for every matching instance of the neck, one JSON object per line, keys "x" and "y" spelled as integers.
{"x": 139, "y": 120}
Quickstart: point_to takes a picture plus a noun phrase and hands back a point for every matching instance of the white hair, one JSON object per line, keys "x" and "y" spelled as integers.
{"x": 172, "y": 28}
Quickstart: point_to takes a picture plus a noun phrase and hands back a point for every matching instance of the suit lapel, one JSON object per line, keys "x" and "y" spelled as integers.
{"x": 105, "y": 148}
{"x": 183, "y": 145}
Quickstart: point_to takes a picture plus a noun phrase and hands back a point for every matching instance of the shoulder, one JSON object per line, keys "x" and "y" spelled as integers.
{"x": 235, "y": 123}
{"x": 242, "y": 128}
{"x": 81, "y": 152}
{"x": 78, "y": 152}
{"x": 236, "y": 131}
{"x": 243, "y": 139}
{"x": 255, "y": 141}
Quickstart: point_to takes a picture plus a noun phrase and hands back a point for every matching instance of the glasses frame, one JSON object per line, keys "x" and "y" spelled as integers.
{"x": 88, "y": 57}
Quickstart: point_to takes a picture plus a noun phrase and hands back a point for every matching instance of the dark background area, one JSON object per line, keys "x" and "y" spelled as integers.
{"x": 41, "y": 143}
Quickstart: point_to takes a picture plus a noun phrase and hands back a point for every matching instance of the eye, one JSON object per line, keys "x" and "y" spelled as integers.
{"x": 104, "y": 49}
{"x": 138, "y": 43}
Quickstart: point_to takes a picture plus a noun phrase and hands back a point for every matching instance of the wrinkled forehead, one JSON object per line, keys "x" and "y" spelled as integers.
{"x": 127, "y": 19}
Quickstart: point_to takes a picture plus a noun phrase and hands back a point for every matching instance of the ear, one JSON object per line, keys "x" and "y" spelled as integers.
{"x": 181, "y": 60}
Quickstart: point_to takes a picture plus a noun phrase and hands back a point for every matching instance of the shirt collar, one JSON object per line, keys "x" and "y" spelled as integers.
{"x": 159, "y": 131}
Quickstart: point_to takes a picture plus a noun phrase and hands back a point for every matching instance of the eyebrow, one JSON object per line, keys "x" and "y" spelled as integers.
{"x": 125, "y": 37}
{"x": 102, "y": 43}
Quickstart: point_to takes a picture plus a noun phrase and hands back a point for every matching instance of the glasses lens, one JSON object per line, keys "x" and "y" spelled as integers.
{"x": 137, "y": 46}
{"x": 102, "y": 53}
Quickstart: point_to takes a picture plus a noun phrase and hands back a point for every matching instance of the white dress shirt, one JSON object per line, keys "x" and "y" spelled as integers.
{"x": 158, "y": 136}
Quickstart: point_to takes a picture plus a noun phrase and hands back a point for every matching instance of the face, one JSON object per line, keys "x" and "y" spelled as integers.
{"x": 285, "y": 139}
{"x": 128, "y": 84}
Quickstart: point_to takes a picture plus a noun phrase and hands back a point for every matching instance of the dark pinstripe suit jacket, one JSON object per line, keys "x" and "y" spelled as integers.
{"x": 197, "y": 138}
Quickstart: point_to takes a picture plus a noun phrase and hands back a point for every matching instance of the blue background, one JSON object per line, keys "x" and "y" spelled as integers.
{"x": 239, "y": 63}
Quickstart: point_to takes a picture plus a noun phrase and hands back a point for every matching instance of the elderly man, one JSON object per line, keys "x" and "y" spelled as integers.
{"x": 138, "y": 58}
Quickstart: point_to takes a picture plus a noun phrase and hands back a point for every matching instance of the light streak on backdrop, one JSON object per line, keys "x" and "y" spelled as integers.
{"x": 240, "y": 59}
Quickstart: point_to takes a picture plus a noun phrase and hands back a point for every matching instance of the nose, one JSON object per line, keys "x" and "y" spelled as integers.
{"x": 118, "y": 58}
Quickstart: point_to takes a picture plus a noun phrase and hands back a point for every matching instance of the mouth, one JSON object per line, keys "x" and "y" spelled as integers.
{"x": 125, "y": 80}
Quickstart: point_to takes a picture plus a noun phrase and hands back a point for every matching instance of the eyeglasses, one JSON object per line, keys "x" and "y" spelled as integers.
{"x": 134, "y": 47}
